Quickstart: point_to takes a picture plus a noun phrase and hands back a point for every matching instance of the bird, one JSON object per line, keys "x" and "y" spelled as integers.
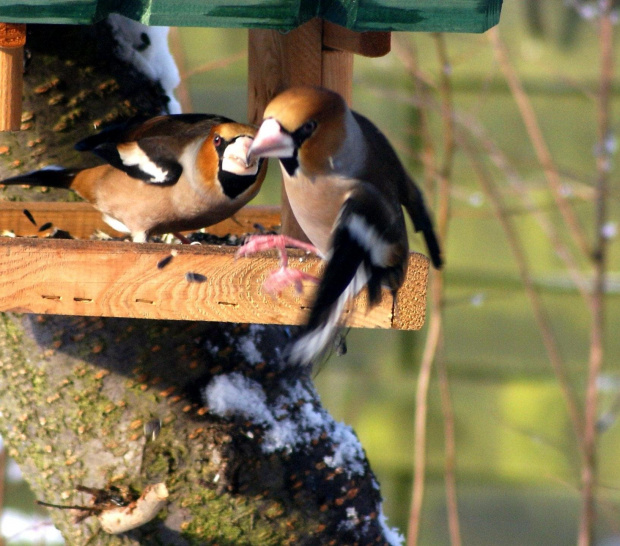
{"x": 163, "y": 174}
{"x": 346, "y": 188}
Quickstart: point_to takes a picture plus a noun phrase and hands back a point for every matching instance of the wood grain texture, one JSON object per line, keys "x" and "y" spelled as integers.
{"x": 337, "y": 72}
{"x": 81, "y": 220}
{"x": 276, "y": 62}
{"x": 121, "y": 279}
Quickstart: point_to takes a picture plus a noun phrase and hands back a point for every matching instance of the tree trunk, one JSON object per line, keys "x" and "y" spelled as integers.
{"x": 240, "y": 439}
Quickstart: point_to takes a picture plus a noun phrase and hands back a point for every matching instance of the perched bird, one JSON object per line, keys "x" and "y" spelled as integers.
{"x": 164, "y": 174}
{"x": 346, "y": 189}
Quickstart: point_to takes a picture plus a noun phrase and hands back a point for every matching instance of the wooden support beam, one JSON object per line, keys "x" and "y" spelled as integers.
{"x": 12, "y": 40}
{"x": 277, "y": 61}
{"x": 121, "y": 279}
{"x": 315, "y": 53}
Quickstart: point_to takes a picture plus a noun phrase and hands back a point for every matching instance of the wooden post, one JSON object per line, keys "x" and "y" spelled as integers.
{"x": 315, "y": 53}
{"x": 12, "y": 40}
{"x": 277, "y": 61}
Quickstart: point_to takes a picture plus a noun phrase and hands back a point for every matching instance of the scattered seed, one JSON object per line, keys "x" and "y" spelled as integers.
{"x": 30, "y": 217}
{"x": 45, "y": 226}
{"x": 164, "y": 261}
{"x": 190, "y": 276}
{"x": 152, "y": 429}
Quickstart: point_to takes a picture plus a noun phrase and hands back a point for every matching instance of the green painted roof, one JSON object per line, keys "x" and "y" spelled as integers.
{"x": 360, "y": 15}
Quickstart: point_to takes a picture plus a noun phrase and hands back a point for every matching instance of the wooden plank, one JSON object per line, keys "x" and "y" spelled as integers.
{"x": 121, "y": 279}
{"x": 12, "y": 40}
{"x": 81, "y": 220}
{"x": 359, "y": 15}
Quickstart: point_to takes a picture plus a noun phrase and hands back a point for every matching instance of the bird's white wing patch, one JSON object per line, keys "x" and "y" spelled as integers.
{"x": 132, "y": 155}
{"x": 369, "y": 239}
{"x": 115, "y": 224}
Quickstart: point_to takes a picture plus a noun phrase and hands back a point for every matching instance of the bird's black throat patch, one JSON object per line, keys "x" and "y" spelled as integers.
{"x": 290, "y": 164}
{"x": 235, "y": 184}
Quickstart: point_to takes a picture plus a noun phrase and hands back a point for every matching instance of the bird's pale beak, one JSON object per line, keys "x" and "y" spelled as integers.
{"x": 271, "y": 141}
{"x": 237, "y": 158}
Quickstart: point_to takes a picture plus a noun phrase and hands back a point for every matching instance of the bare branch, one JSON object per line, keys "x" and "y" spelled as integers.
{"x": 538, "y": 141}
{"x": 599, "y": 257}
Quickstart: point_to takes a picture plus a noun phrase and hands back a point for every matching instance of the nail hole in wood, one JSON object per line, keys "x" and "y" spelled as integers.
{"x": 140, "y": 300}
{"x": 83, "y": 300}
{"x": 50, "y": 297}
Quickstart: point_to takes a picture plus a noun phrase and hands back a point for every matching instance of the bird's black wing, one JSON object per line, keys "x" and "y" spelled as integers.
{"x": 409, "y": 194}
{"x": 369, "y": 247}
{"x": 149, "y": 148}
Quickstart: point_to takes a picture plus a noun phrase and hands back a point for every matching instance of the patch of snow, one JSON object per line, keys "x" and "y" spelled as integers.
{"x": 348, "y": 452}
{"x": 213, "y": 349}
{"x": 146, "y": 48}
{"x": 234, "y": 394}
{"x": 392, "y": 535}
{"x": 352, "y": 520}
{"x": 248, "y": 349}
{"x": 292, "y": 420}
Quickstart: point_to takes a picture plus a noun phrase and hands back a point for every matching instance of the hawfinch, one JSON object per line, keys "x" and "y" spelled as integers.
{"x": 346, "y": 188}
{"x": 164, "y": 174}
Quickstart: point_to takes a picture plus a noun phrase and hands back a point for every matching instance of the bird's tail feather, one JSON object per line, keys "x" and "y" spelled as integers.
{"x": 322, "y": 328}
{"x": 416, "y": 208}
{"x": 52, "y": 177}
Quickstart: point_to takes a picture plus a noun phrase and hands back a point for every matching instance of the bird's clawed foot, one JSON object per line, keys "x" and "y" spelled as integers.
{"x": 285, "y": 276}
{"x": 259, "y": 243}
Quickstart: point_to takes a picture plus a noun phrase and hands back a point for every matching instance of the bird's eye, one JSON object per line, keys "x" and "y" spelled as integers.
{"x": 308, "y": 127}
{"x": 304, "y": 132}
{"x": 217, "y": 140}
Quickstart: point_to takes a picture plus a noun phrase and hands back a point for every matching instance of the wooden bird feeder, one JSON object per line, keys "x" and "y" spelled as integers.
{"x": 121, "y": 279}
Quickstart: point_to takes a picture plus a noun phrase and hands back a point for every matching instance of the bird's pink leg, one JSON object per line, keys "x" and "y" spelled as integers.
{"x": 184, "y": 240}
{"x": 284, "y": 276}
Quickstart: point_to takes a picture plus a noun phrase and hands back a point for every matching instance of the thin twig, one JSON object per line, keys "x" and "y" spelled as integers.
{"x": 213, "y": 65}
{"x": 443, "y": 218}
{"x": 472, "y": 125}
{"x": 540, "y": 315}
{"x": 538, "y": 141}
{"x": 430, "y": 347}
{"x": 2, "y": 484}
{"x": 599, "y": 258}
{"x": 551, "y": 344}
{"x": 428, "y": 356}
{"x": 498, "y": 157}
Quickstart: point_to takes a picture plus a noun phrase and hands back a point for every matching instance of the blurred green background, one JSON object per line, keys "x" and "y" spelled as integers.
{"x": 517, "y": 460}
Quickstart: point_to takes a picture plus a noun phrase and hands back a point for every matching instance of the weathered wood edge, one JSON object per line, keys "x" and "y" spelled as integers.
{"x": 121, "y": 279}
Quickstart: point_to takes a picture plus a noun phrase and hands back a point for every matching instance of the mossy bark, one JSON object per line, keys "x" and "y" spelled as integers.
{"x": 92, "y": 402}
